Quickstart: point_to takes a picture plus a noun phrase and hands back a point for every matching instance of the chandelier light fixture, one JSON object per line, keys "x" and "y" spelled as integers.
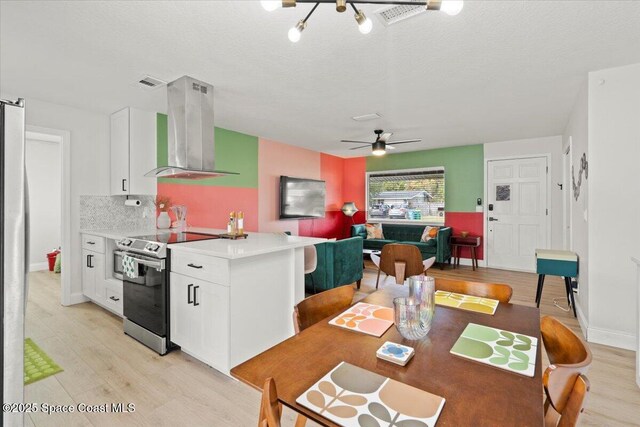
{"x": 450, "y": 7}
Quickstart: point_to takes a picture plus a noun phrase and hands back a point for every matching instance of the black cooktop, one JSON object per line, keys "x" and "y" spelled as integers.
{"x": 170, "y": 238}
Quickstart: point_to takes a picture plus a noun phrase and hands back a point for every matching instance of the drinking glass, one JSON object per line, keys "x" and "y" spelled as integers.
{"x": 409, "y": 319}
{"x": 414, "y": 315}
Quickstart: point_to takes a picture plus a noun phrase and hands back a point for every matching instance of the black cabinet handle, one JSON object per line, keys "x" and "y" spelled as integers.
{"x": 195, "y": 296}
{"x": 124, "y": 181}
{"x": 91, "y": 243}
{"x": 114, "y": 298}
{"x": 194, "y": 266}
{"x": 189, "y": 300}
{"x": 89, "y": 263}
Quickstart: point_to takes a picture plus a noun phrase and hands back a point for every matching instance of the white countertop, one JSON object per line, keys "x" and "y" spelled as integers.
{"x": 254, "y": 244}
{"x": 121, "y": 234}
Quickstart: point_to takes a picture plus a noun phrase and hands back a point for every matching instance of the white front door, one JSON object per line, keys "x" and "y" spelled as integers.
{"x": 517, "y": 212}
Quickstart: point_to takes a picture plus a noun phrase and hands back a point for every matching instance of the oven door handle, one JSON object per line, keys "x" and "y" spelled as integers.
{"x": 158, "y": 265}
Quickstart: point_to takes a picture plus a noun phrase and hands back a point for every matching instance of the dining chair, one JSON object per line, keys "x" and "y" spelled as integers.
{"x": 565, "y": 384}
{"x": 271, "y": 408}
{"x": 496, "y": 291}
{"x": 400, "y": 261}
{"x": 310, "y": 263}
{"x": 319, "y": 306}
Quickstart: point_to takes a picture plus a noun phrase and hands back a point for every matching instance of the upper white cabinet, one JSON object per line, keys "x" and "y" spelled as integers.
{"x": 133, "y": 152}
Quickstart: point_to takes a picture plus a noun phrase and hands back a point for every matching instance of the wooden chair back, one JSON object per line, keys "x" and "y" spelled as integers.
{"x": 401, "y": 261}
{"x": 570, "y": 358}
{"x": 497, "y": 291}
{"x": 320, "y": 306}
{"x": 270, "y": 408}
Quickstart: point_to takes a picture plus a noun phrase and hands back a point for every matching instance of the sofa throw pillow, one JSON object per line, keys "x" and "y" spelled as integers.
{"x": 429, "y": 233}
{"x": 374, "y": 231}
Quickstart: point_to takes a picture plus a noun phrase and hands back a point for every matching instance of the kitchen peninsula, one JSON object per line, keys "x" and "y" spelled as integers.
{"x": 229, "y": 300}
{"x": 232, "y": 299}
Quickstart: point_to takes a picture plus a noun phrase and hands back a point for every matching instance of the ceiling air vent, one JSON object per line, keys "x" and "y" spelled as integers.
{"x": 394, "y": 14}
{"x": 149, "y": 82}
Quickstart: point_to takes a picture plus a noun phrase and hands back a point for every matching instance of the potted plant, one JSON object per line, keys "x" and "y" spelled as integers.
{"x": 163, "y": 204}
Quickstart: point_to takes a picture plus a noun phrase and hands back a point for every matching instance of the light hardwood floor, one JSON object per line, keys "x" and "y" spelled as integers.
{"x": 102, "y": 365}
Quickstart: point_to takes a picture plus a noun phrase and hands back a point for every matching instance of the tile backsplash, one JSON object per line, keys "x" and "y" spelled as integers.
{"x": 109, "y": 213}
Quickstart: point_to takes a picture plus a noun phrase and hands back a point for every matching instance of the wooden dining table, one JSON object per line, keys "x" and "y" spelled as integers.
{"x": 476, "y": 394}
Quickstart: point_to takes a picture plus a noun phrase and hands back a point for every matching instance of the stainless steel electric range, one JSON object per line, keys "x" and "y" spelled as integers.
{"x": 146, "y": 289}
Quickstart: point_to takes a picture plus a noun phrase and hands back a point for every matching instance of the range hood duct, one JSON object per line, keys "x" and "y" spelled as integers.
{"x": 191, "y": 145}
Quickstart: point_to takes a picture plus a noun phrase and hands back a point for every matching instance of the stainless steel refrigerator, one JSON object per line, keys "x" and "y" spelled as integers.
{"x": 14, "y": 245}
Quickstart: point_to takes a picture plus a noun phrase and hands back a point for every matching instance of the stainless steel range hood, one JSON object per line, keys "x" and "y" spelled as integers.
{"x": 191, "y": 132}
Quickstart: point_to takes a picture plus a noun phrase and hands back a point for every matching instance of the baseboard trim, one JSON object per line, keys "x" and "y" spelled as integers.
{"x": 611, "y": 338}
{"x": 582, "y": 321}
{"x": 38, "y": 266}
{"x": 467, "y": 261}
{"x": 77, "y": 298}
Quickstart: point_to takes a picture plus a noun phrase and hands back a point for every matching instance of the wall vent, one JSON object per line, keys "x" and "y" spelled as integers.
{"x": 149, "y": 82}
{"x": 394, "y": 14}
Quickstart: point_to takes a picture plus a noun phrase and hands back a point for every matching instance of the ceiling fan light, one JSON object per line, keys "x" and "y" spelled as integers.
{"x": 452, "y": 7}
{"x": 378, "y": 148}
{"x": 270, "y": 5}
{"x": 295, "y": 32}
{"x": 364, "y": 24}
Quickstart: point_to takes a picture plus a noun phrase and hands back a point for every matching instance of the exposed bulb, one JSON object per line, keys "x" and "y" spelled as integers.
{"x": 366, "y": 26}
{"x": 452, "y": 7}
{"x": 294, "y": 34}
{"x": 270, "y": 5}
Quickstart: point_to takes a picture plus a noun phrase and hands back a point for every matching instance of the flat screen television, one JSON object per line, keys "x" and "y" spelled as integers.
{"x": 301, "y": 198}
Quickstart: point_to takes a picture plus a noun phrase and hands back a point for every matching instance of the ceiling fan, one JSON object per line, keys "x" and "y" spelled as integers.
{"x": 378, "y": 148}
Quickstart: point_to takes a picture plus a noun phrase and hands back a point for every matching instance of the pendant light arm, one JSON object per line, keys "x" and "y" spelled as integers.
{"x": 313, "y": 9}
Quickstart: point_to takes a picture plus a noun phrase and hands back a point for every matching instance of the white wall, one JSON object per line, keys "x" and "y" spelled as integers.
{"x": 613, "y": 204}
{"x": 44, "y": 175}
{"x": 538, "y": 146}
{"x": 577, "y": 132}
{"x": 89, "y": 163}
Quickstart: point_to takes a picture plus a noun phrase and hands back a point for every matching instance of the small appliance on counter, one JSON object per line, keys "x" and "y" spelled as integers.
{"x": 145, "y": 284}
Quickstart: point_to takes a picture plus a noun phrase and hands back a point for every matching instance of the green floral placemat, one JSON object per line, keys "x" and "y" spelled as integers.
{"x": 502, "y": 349}
{"x": 37, "y": 364}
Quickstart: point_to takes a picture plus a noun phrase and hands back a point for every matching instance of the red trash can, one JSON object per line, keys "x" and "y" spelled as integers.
{"x": 51, "y": 257}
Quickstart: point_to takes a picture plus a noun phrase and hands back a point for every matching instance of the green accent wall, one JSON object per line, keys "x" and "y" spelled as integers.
{"x": 463, "y": 168}
{"x": 235, "y": 152}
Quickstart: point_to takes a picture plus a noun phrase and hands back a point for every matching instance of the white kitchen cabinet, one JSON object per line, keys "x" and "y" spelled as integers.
{"x": 199, "y": 312}
{"x": 133, "y": 152}
{"x": 93, "y": 285}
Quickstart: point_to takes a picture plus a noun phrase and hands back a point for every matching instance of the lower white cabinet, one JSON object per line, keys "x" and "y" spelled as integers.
{"x": 93, "y": 285}
{"x": 199, "y": 318}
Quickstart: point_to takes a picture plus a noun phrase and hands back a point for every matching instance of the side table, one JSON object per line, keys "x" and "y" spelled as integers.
{"x": 557, "y": 263}
{"x": 471, "y": 242}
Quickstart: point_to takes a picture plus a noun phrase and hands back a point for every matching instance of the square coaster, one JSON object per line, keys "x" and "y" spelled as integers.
{"x": 395, "y": 353}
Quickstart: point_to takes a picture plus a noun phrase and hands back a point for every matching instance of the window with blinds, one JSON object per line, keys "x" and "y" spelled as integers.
{"x": 406, "y": 196}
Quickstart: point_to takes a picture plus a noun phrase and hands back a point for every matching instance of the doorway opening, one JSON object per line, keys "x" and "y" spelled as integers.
{"x": 48, "y": 177}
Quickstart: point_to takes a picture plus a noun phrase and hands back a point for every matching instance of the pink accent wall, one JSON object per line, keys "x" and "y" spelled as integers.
{"x": 209, "y": 206}
{"x": 332, "y": 225}
{"x": 275, "y": 159}
{"x": 467, "y": 221}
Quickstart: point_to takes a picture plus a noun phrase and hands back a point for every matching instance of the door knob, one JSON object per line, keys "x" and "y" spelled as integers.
{"x": 492, "y": 218}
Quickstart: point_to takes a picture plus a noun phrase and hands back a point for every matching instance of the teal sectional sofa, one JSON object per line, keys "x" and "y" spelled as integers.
{"x": 339, "y": 263}
{"x": 438, "y": 247}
